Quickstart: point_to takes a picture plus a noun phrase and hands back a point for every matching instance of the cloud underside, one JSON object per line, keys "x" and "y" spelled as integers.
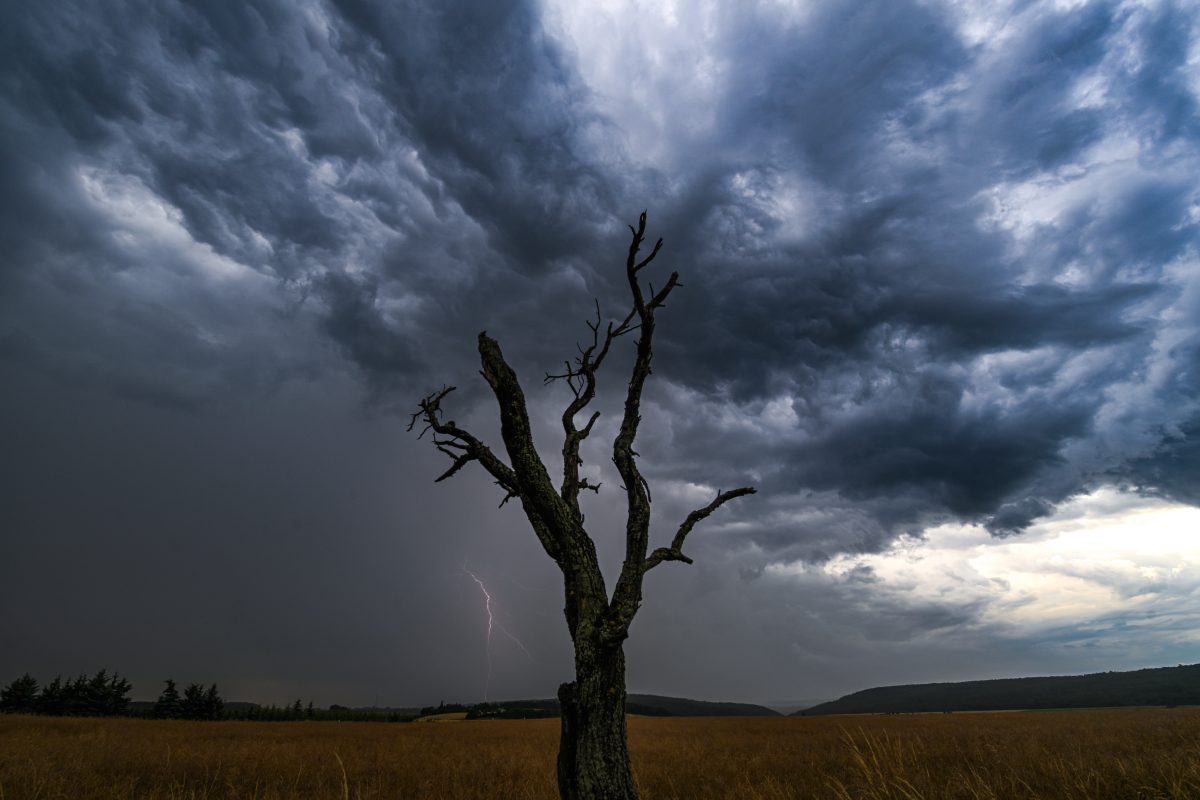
{"x": 939, "y": 262}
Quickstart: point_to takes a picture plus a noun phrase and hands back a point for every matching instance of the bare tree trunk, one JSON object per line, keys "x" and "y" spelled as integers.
{"x": 593, "y": 754}
{"x": 593, "y": 760}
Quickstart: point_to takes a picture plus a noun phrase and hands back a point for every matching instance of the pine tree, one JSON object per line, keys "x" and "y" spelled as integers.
{"x": 168, "y": 704}
{"x": 75, "y": 696}
{"x": 116, "y": 700}
{"x": 213, "y": 704}
{"x": 193, "y": 706}
{"x": 95, "y": 695}
{"x": 20, "y": 696}
{"x": 50, "y": 701}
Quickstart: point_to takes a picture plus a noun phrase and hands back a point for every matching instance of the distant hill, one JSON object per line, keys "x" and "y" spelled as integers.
{"x": 1165, "y": 686}
{"x": 682, "y": 707}
{"x": 650, "y": 705}
{"x": 788, "y": 708}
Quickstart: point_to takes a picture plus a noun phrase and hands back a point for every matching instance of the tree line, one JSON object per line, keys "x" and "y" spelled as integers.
{"x": 195, "y": 703}
{"x": 101, "y": 695}
{"x": 105, "y": 695}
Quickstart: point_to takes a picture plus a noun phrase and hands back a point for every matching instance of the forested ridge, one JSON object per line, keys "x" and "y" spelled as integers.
{"x": 1163, "y": 686}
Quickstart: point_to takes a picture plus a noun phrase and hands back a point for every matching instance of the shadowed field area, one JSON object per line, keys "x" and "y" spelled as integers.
{"x": 1063, "y": 754}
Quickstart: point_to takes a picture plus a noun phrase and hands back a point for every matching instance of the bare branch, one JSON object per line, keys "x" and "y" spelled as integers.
{"x": 449, "y": 438}
{"x": 633, "y": 266}
{"x": 430, "y": 404}
{"x": 641, "y": 264}
{"x": 587, "y": 429}
{"x": 581, "y": 378}
{"x": 675, "y": 551}
{"x": 657, "y": 300}
{"x": 662, "y": 554}
{"x": 509, "y": 496}
{"x": 459, "y": 463}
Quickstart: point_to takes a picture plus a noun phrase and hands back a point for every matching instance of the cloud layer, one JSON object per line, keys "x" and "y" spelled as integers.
{"x": 940, "y": 263}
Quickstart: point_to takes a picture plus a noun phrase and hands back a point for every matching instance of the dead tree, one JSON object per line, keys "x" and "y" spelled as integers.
{"x": 593, "y": 758}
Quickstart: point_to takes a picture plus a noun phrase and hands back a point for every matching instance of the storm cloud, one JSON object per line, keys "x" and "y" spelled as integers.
{"x": 939, "y": 267}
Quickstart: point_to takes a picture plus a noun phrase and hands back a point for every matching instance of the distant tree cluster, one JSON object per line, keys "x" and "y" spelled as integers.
{"x": 198, "y": 703}
{"x": 299, "y": 710}
{"x": 101, "y": 695}
{"x": 446, "y": 708}
{"x": 105, "y": 695}
{"x": 273, "y": 713}
{"x": 519, "y": 710}
{"x": 195, "y": 703}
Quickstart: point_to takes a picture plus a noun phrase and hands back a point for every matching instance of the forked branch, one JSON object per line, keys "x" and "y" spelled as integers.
{"x": 461, "y": 447}
{"x": 580, "y": 377}
{"x": 526, "y": 478}
{"x": 675, "y": 551}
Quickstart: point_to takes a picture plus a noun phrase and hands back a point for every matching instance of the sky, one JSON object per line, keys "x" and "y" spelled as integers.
{"x": 940, "y": 305}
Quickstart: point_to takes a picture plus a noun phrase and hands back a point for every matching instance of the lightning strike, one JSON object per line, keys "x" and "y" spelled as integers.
{"x": 492, "y": 625}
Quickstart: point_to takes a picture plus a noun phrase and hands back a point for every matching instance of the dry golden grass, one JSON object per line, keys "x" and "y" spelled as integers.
{"x": 1100, "y": 755}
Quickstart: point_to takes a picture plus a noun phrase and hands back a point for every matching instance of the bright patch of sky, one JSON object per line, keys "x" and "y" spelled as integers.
{"x": 1099, "y": 558}
{"x": 142, "y": 221}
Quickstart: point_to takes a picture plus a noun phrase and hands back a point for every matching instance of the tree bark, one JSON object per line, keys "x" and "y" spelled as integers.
{"x": 593, "y": 754}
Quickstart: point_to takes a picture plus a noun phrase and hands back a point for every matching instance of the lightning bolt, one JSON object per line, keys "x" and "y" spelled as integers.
{"x": 492, "y": 625}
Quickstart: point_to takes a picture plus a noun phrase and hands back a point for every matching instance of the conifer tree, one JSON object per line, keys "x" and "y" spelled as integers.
{"x": 193, "y": 706}
{"x": 20, "y": 696}
{"x": 168, "y": 705}
{"x": 50, "y": 701}
{"x": 75, "y": 696}
{"x": 94, "y": 700}
{"x": 213, "y": 704}
{"x": 116, "y": 699}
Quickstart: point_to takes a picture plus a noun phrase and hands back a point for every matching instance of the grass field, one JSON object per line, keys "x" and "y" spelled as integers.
{"x": 1105, "y": 755}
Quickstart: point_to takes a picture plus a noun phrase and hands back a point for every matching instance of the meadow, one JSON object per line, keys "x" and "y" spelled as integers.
{"x": 1100, "y": 755}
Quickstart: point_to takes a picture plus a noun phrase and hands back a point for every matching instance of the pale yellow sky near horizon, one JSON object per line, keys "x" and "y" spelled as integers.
{"x": 1106, "y": 555}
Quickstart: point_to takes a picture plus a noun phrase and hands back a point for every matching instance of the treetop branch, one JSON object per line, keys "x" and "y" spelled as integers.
{"x": 581, "y": 379}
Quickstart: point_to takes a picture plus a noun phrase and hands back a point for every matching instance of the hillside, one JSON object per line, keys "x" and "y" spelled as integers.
{"x": 648, "y": 705}
{"x": 1165, "y": 686}
{"x": 682, "y": 707}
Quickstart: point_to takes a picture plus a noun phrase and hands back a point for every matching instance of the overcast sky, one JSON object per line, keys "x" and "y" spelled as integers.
{"x": 941, "y": 305}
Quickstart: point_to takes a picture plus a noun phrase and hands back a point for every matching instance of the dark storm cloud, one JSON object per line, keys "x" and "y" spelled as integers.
{"x": 1021, "y": 117}
{"x": 889, "y": 300}
{"x": 1158, "y": 86}
{"x": 490, "y": 101}
{"x": 936, "y": 266}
